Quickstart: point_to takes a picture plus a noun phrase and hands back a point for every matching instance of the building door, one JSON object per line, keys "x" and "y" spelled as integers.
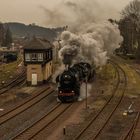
{"x": 34, "y": 79}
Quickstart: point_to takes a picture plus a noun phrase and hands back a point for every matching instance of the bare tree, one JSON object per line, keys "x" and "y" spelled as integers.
{"x": 132, "y": 9}
{"x": 131, "y": 13}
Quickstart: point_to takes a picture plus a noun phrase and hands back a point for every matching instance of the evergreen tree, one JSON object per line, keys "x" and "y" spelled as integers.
{"x": 2, "y": 32}
{"x": 8, "y": 38}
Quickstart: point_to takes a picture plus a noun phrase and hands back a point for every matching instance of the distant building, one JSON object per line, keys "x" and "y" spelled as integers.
{"x": 8, "y": 55}
{"x": 38, "y": 60}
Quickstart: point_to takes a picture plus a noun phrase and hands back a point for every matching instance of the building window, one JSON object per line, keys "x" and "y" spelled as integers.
{"x": 48, "y": 54}
{"x": 27, "y": 57}
{"x": 51, "y": 54}
{"x": 40, "y": 56}
{"x": 34, "y": 57}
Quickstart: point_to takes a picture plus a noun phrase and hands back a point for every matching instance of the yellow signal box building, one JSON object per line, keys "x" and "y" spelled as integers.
{"x": 38, "y": 61}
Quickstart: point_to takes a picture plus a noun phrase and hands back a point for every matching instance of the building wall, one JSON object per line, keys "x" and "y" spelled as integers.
{"x": 48, "y": 70}
{"x": 43, "y": 72}
{"x": 34, "y": 69}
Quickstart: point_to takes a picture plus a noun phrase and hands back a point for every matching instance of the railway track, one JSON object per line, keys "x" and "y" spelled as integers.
{"x": 35, "y": 129}
{"x": 93, "y": 128}
{"x": 24, "y": 106}
{"x": 123, "y": 61}
{"x": 131, "y": 132}
{"x": 15, "y": 114}
{"x": 17, "y": 81}
{"x": 16, "y": 77}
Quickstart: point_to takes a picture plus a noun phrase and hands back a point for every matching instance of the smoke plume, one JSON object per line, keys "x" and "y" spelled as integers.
{"x": 94, "y": 44}
{"x": 75, "y": 12}
{"x": 83, "y": 91}
{"x": 90, "y": 37}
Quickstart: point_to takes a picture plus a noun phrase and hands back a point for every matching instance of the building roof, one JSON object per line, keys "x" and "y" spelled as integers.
{"x": 38, "y": 44}
{"x": 2, "y": 52}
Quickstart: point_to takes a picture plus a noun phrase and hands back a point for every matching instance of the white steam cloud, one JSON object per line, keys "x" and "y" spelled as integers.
{"x": 72, "y": 12}
{"x": 94, "y": 45}
{"x": 83, "y": 91}
{"x": 89, "y": 39}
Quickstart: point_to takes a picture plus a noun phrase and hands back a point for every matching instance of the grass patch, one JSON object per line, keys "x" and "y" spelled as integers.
{"x": 107, "y": 72}
{"x": 133, "y": 78}
{"x": 7, "y": 70}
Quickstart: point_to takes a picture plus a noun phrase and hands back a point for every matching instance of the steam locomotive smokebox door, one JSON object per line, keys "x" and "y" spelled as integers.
{"x": 34, "y": 79}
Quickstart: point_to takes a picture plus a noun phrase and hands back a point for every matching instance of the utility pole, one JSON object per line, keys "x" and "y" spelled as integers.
{"x": 86, "y": 79}
{"x": 86, "y": 93}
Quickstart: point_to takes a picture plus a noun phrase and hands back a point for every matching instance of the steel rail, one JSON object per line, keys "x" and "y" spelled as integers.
{"x": 98, "y": 114}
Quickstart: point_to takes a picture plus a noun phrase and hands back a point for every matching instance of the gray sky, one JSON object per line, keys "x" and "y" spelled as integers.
{"x": 29, "y": 11}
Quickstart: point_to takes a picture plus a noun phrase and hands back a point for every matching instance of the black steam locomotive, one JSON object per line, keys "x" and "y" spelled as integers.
{"x": 70, "y": 80}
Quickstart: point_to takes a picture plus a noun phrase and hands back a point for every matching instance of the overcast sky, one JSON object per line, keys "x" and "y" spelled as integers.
{"x": 29, "y": 11}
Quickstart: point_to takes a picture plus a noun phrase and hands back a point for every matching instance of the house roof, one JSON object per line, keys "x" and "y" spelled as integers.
{"x": 38, "y": 44}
